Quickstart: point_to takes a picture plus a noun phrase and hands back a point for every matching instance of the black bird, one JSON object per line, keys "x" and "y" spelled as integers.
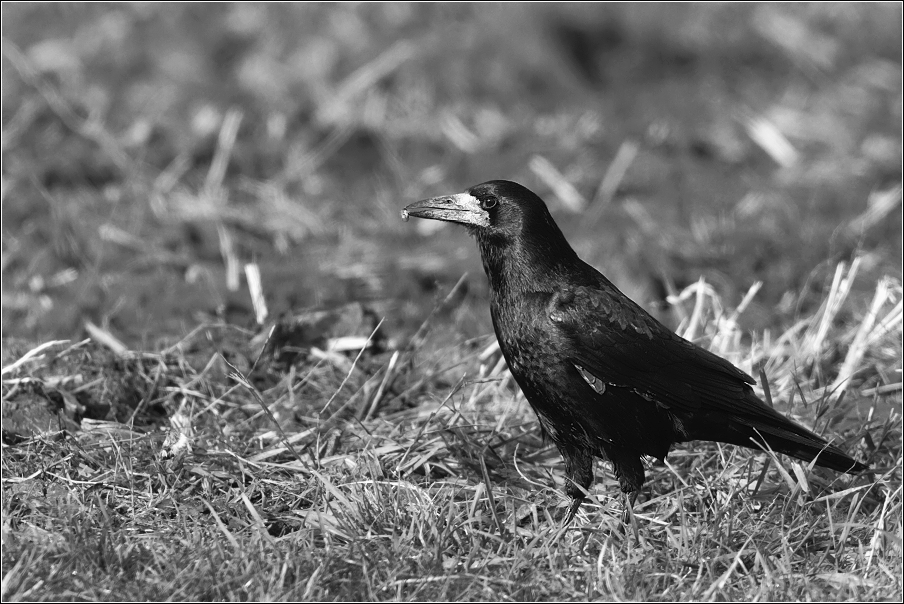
{"x": 604, "y": 377}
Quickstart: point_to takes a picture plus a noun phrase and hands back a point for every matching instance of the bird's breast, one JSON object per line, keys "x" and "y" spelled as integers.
{"x": 531, "y": 347}
{"x": 574, "y": 406}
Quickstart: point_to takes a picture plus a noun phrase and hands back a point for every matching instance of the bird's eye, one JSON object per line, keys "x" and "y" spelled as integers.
{"x": 488, "y": 203}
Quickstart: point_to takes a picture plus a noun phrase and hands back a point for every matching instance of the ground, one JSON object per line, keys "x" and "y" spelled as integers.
{"x": 374, "y": 446}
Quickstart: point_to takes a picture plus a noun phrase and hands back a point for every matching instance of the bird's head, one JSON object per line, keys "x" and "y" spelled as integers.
{"x": 519, "y": 242}
{"x": 498, "y": 212}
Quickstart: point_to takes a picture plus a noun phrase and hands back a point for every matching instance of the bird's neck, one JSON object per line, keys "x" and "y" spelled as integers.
{"x": 521, "y": 265}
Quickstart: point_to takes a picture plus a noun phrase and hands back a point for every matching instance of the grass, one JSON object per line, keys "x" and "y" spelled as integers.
{"x": 176, "y": 181}
{"x": 276, "y": 485}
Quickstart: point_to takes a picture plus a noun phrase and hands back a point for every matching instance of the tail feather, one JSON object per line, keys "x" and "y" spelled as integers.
{"x": 796, "y": 441}
{"x": 763, "y": 427}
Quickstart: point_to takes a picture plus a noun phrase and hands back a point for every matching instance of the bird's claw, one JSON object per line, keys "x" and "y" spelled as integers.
{"x": 572, "y": 510}
{"x": 628, "y": 516}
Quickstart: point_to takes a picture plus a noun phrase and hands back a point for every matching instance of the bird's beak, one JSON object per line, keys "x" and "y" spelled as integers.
{"x": 461, "y": 208}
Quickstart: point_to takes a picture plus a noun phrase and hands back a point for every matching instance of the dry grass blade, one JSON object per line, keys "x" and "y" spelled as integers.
{"x": 623, "y": 159}
{"x": 419, "y": 333}
{"x": 838, "y": 293}
{"x": 858, "y": 346}
{"x": 104, "y": 337}
{"x": 892, "y": 321}
{"x": 230, "y": 258}
{"x": 879, "y": 206}
{"x": 720, "y": 583}
{"x": 31, "y": 355}
{"x": 223, "y": 529}
{"x": 237, "y": 376}
{"x": 566, "y": 193}
{"x": 256, "y": 289}
{"x": 352, "y": 368}
{"x": 362, "y": 79}
{"x": 887, "y": 389}
{"x": 767, "y": 135}
{"x": 386, "y": 378}
{"x": 492, "y": 500}
{"x": 258, "y": 521}
{"x": 229, "y": 130}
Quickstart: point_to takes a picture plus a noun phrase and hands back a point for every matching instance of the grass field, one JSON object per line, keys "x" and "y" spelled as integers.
{"x": 736, "y": 169}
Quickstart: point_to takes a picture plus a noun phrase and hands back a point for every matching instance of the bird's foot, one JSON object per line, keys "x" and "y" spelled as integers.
{"x": 573, "y": 509}
{"x": 630, "y": 500}
{"x": 628, "y": 514}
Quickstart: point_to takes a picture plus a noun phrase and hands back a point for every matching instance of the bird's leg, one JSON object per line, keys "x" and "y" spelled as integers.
{"x": 629, "y": 471}
{"x": 629, "y": 517}
{"x": 628, "y": 514}
{"x": 573, "y": 509}
{"x": 579, "y": 477}
{"x": 630, "y": 478}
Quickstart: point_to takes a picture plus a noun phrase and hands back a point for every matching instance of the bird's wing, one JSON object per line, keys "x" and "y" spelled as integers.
{"x": 610, "y": 337}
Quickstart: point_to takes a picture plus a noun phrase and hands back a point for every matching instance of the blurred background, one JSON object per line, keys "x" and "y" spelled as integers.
{"x": 150, "y": 150}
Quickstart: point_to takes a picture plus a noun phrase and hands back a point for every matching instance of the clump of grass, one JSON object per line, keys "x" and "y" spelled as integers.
{"x": 443, "y": 489}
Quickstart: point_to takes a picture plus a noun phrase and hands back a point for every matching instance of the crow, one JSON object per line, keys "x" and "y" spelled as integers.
{"x": 604, "y": 377}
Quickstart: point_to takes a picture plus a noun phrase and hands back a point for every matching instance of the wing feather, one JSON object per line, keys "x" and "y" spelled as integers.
{"x": 619, "y": 343}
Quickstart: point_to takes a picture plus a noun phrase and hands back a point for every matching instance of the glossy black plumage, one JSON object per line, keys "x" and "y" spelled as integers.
{"x": 604, "y": 377}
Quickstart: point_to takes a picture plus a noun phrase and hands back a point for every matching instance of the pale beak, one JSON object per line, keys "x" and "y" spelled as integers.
{"x": 462, "y": 208}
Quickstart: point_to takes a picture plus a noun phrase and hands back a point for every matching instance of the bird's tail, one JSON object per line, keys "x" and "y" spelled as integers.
{"x": 766, "y": 428}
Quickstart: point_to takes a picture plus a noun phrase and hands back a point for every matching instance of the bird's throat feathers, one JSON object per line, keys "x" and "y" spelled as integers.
{"x": 522, "y": 262}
